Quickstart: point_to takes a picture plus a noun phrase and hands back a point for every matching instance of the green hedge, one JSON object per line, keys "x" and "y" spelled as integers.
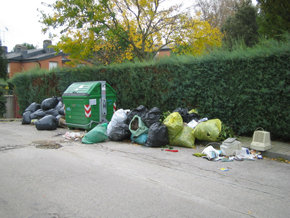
{"x": 245, "y": 90}
{"x": 3, "y": 84}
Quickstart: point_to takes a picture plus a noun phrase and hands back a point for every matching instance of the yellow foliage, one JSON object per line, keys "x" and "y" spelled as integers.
{"x": 122, "y": 30}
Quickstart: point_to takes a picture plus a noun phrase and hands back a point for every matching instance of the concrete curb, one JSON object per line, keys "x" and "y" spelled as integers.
{"x": 10, "y": 119}
{"x": 276, "y": 155}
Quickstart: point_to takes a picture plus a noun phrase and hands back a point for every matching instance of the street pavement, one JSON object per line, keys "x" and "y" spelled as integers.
{"x": 121, "y": 179}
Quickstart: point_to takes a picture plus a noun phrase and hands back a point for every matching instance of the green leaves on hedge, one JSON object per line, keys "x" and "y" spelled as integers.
{"x": 244, "y": 92}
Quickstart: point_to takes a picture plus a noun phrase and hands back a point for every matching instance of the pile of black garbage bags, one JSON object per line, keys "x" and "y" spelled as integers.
{"x": 142, "y": 126}
{"x": 46, "y": 115}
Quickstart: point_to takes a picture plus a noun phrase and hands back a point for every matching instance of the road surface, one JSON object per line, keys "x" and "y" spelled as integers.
{"x": 120, "y": 179}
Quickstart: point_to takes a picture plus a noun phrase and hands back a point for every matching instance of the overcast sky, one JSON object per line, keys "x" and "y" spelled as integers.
{"x": 19, "y": 22}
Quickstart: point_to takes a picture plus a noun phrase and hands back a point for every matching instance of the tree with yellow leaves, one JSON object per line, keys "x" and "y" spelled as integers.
{"x": 112, "y": 31}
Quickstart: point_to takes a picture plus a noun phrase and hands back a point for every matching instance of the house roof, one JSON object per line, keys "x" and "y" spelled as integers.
{"x": 165, "y": 48}
{"x": 32, "y": 55}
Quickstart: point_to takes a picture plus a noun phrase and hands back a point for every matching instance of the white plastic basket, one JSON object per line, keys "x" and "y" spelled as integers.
{"x": 261, "y": 141}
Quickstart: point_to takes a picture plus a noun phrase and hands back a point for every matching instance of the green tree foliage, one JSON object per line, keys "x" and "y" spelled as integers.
{"x": 120, "y": 30}
{"x": 3, "y": 75}
{"x": 242, "y": 25}
{"x": 27, "y": 45}
{"x": 3, "y": 63}
{"x": 274, "y": 17}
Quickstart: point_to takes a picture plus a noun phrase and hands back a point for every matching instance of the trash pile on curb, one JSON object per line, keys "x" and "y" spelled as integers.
{"x": 146, "y": 127}
{"x": 45, "y": 116}
{"x": 231, "y": 149}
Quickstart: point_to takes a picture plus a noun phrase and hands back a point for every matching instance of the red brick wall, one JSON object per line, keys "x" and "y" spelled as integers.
{"x": 16, "y": 67}
{"x": 164, "y": 53}
{"x": 44, "y": 64}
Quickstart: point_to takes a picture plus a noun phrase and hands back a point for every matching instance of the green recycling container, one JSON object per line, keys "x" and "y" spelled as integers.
{"x": 88, "y": 104}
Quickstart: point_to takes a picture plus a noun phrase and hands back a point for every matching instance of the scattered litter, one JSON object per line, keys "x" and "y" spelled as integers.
{"x": 243, "y": 154}
{"x": 171, "y": 150}
{"x": 73, "y": 136}
{"x": 230, "y": 146}
{"x": 203, "y": 119}
{"x": 227, "y": 159}
{"x": 211, "y": 153}
{"x": 199, "y": 154}
{"x": 224, "y": 169}
{"x": 192, "y": 124}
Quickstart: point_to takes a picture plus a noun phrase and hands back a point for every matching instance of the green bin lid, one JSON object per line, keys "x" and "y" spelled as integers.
{"x": 81, "y": 88}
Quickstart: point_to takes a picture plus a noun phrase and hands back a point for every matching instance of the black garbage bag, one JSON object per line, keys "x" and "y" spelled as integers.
{"x": 58, "y": 106}
{"x": 120, "y": 132}
{"x": 152, "y": 116}
{"x": 48, "y": 122}
{"x": 187, "y": 117}
{"x": 26, "y": 117}
{"x": 58, "y": 117}
{"x": 49, "y": 103}
{"x": 61, "y": 111}
{"x": 157, "y": 135}
{"x": 33, "y": 107}
{"x": 52, "y": 112}
{"x": 192, "y": 116}
{"x": 37, "y": 114}
{"x": 141, "y": 111}
{"x": 182, "y": 111}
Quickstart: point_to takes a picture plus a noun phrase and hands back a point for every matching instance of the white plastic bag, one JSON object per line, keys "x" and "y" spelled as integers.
{"x": 211, "y": 153}
{"x": 192, "y": 124}
{"x": 119, "y": 117}
{"x": 244, "y": 154}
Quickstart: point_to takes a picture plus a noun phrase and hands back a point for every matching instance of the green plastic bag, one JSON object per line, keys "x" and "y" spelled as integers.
{"x": 208, "y": 130}
{"x": 174, "y": 124}
{"x": 96, "y": 135}
{"x": 185, "y": 138}
{"x": 137, "y": 127}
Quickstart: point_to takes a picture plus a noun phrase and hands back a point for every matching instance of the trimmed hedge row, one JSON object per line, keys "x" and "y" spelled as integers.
{"x": 244, "y": 92}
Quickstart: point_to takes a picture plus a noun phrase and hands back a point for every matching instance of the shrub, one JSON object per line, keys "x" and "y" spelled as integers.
{"x": 246, "y": 89}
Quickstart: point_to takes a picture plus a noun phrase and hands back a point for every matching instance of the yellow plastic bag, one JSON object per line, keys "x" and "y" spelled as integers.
{"x": 208, "y": 130}
{"x": 185, "y": 138}
{"x": 193, "y": 111}
{"x": 174, "y": 124}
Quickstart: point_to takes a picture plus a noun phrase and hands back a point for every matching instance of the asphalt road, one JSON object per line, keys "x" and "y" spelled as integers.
{"x": 125, "y": 180}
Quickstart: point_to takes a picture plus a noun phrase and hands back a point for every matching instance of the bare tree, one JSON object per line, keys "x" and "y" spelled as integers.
{"x": 216, "y": 12}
